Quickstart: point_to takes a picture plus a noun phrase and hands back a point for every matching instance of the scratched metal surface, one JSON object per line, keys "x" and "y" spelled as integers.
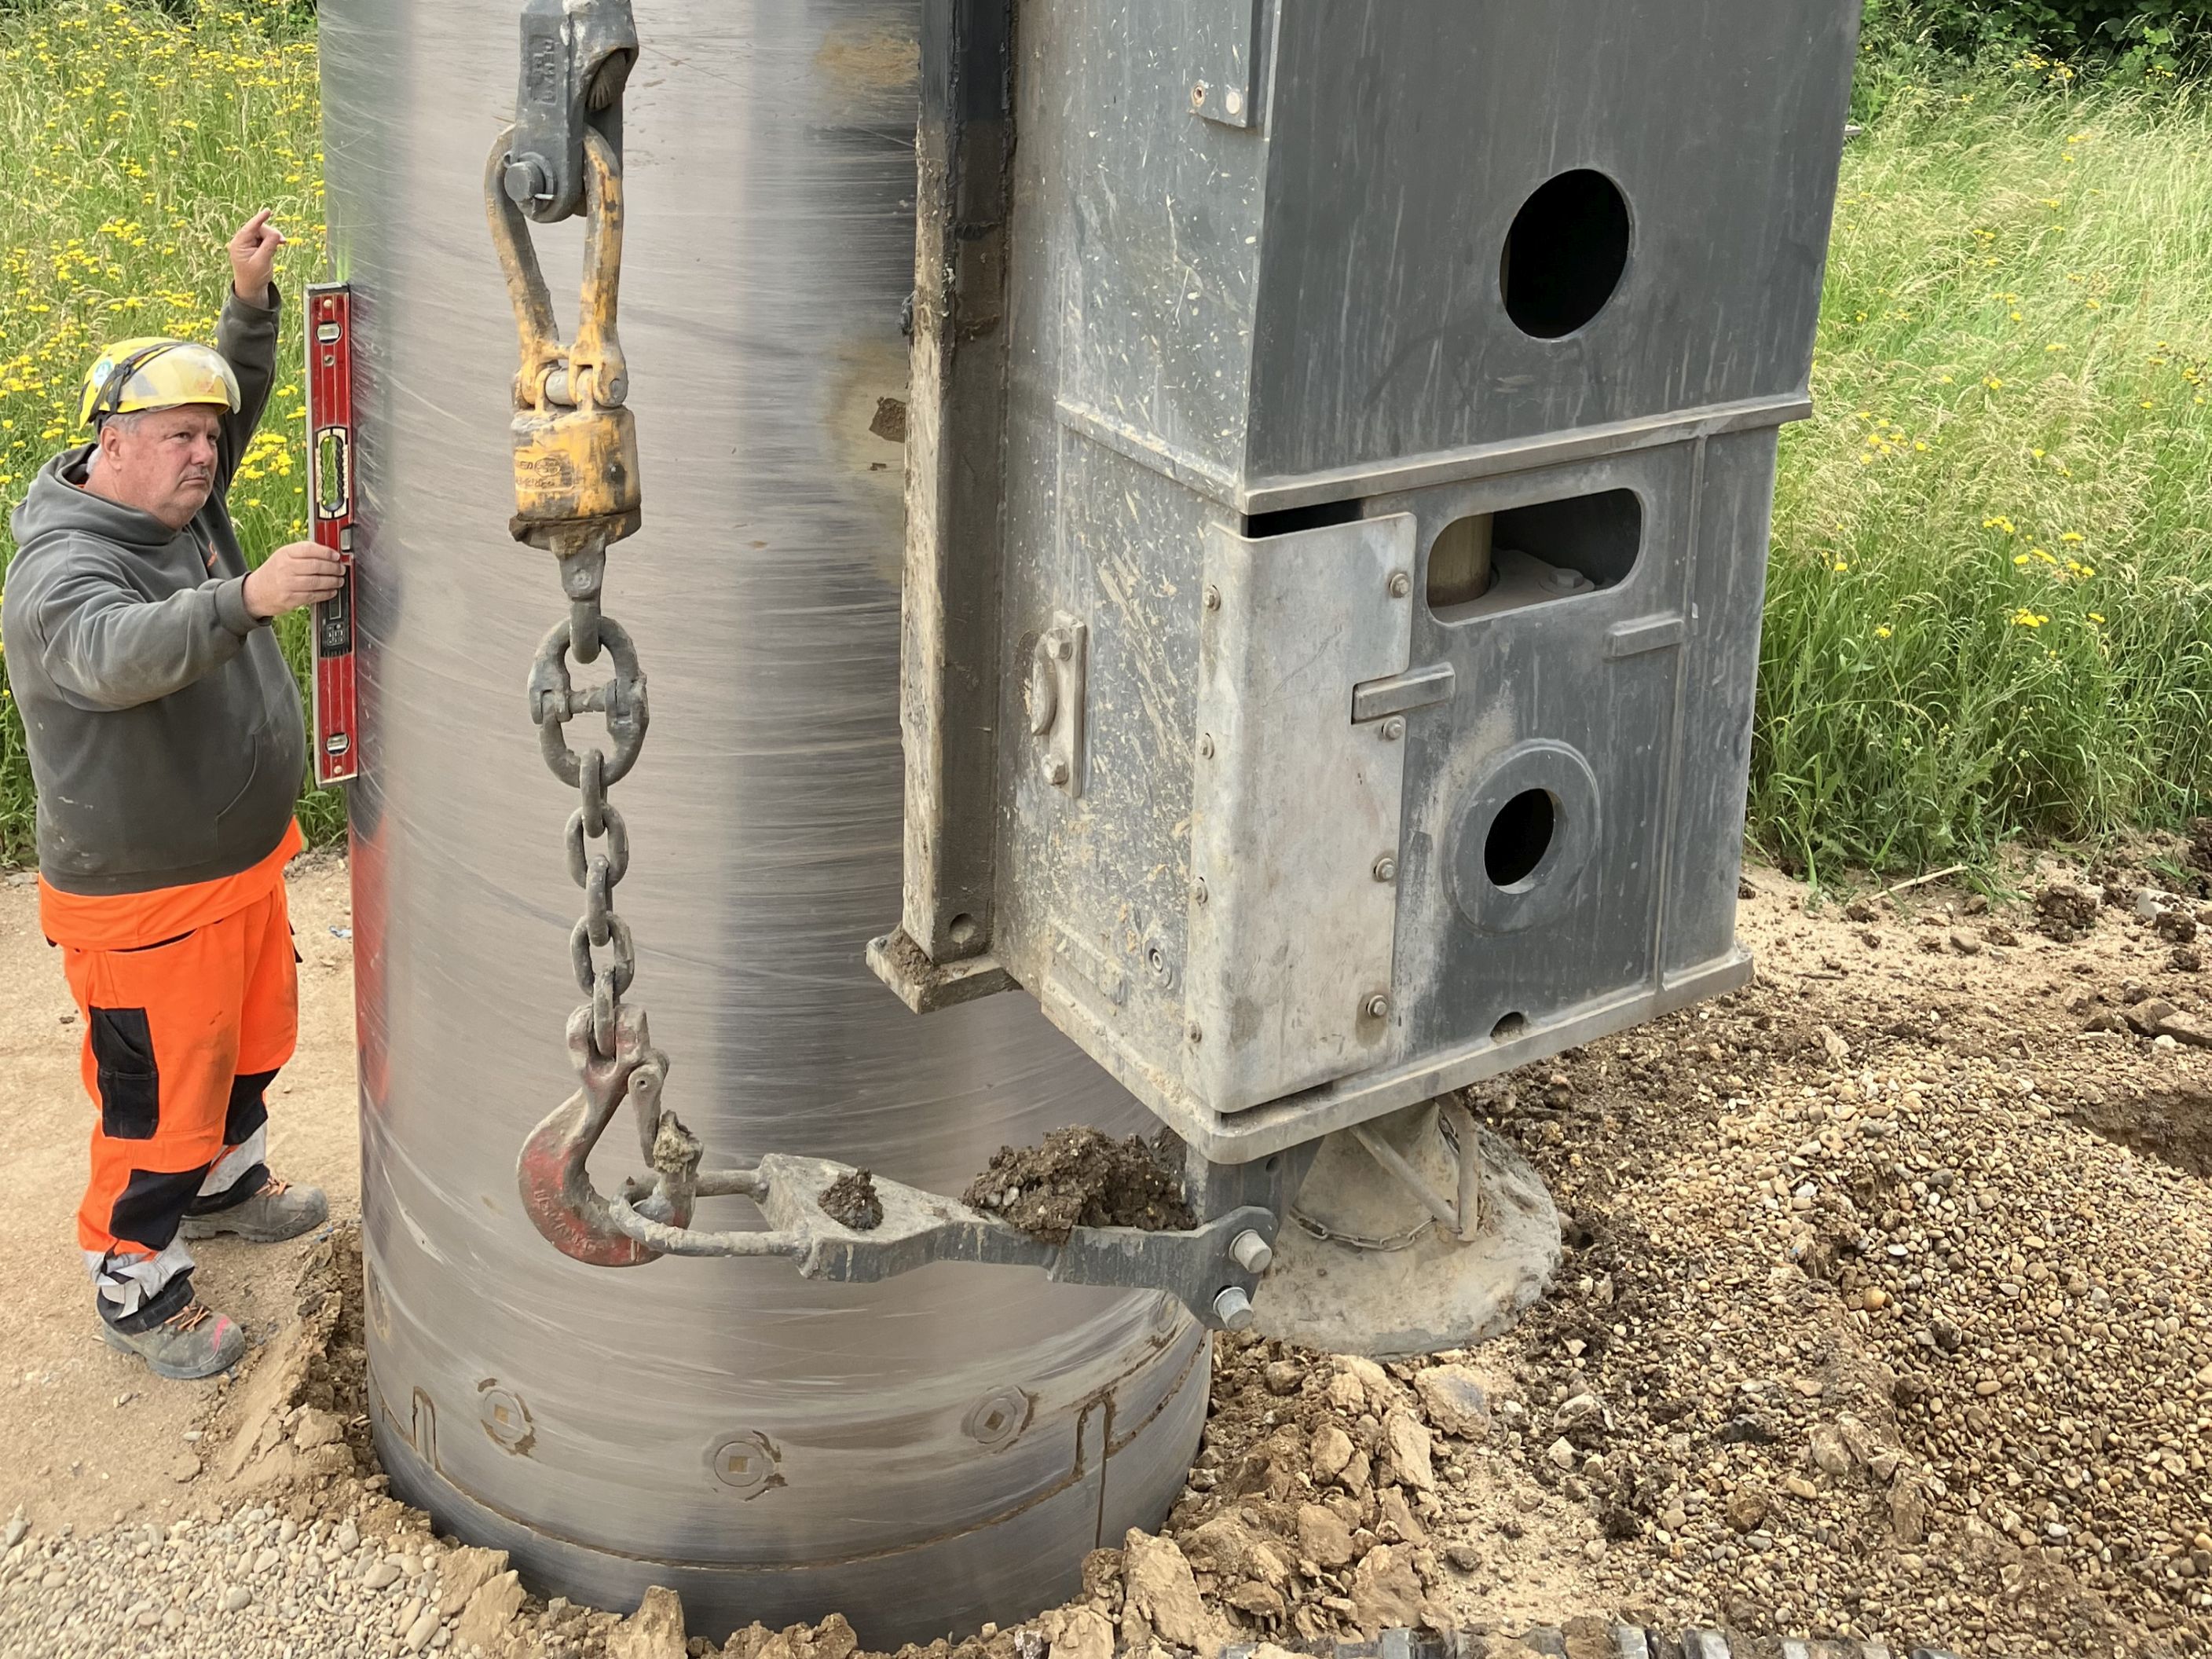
{"x": 925, "y": 1454}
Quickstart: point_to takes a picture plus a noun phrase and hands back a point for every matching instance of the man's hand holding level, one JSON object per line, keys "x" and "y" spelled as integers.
{"x": 295, "y": 574}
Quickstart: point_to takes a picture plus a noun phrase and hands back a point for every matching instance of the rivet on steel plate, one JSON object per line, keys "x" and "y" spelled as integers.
{"x": 1198, "y": 893}
{"x": 997, "y": 1418}
{"x": 1206, "y": 745}
{"x": 1251, "y": 1252}
{"x": 746, "y": 1464}
{"x": 1194, "y": 1032}
{"x": 1378, "y": 1006}
{"x": 505, "y": 1418}
{"x": 1392, "y": 729}
{"x": 1401, "y": 583}
{"x": 1233, "y": 101}
{"x": 1233, "y": 1309}
{"x": 1212, "y": 597}
{"x": 1386, "y": 868}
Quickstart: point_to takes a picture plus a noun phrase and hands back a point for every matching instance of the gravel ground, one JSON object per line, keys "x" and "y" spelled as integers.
{"x": 1884, "y": 1315}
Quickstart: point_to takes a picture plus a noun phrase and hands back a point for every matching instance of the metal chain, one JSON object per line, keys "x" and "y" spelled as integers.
{"x": 598, "y": 868}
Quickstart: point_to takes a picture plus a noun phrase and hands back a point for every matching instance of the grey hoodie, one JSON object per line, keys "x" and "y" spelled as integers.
{"x": 165, "y": 731}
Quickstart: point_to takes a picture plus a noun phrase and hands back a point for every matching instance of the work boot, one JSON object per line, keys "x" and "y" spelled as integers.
{"x": 193, "y": 1342}
{"x": 277, "y": 1210}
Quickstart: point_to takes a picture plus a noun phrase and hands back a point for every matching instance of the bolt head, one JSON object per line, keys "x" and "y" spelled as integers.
{"x": 1198, "y": 95}
{"x": 1198, "y": 893}
{"x": 1212, "y": 597}
{"x": 1378, "y": 1006}
{"x": 1233, "y": 1309}
{"x": 1233, "y": 101}
{"x": 1063, "y": 648}
{"x": 1401, "y": 583}
{"x": 1392, "y": 729}
{"x": 1055, "y": 772}
{"x": 525, "y": 180}
{"x": 1194, "y": 1032}
{"x": 1386, "y": 868}
{"x": 1251, "y": 1252}
{"x": 1206, "y": 745}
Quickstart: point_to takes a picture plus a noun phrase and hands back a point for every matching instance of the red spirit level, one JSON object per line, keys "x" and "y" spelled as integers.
{"x": 330, "y": 485}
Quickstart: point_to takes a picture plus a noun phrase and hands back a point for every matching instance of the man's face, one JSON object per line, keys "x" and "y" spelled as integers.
{"x": 162, "y": 463}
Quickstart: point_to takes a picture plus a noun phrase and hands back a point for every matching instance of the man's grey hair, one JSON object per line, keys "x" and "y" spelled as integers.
{"x": 129, "y": 421}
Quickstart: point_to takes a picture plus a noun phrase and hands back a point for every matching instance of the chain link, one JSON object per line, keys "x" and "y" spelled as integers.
{"x": 586, "y": 634}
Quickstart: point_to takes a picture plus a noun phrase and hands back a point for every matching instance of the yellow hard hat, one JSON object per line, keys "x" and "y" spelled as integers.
{"x": 156, "y": 372}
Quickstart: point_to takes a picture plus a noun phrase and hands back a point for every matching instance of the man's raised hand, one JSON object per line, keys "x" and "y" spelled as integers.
{"x": 253, "y": 258}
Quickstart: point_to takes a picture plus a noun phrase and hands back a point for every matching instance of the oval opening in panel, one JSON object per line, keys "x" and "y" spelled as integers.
{"x": 1565, "y": 254}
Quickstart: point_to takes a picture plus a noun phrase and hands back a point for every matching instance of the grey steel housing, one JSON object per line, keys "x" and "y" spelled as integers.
{"x": 925, "y": 1454}
{"x": 1256, "y": 356}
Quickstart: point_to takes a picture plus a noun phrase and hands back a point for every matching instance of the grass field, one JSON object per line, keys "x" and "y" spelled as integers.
{"x": 1990, "y": 600}
{"x": 1990, "y": 609}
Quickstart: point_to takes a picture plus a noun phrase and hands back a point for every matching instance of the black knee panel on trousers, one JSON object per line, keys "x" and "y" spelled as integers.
{"x": 153, "y": 1203}
{"x": 247, "y": 1111}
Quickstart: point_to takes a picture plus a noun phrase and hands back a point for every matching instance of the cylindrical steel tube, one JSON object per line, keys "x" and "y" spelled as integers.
{"x": 924, "y": 1454}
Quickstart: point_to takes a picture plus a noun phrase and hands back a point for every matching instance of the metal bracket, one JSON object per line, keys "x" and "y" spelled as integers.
{"x": 1401, "y": 694}
{"x": 1059, "y": 678}
{"x": 576, "y": 57}
{"x": 1212, "y": 1269}
{"x": 1224, "y": 38}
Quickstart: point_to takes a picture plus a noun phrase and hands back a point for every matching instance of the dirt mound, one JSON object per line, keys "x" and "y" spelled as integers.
{"x": 2064, "y": 912}
{"x": 851, "y": 1199}
{"x": 1081, "y": 1177}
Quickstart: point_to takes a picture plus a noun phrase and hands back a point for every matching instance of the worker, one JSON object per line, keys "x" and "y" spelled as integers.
{"x": 168, "y": 748}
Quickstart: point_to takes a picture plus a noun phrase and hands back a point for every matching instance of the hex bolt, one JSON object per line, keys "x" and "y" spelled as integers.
{"x": 526, "y": 180}
{"x": 1251, "y": 1252}
{"x": 1198, "y": 893}
{"x": 1212, "y": 597}
{"x": 1386, "y": 868}
{"x": 1401, "y": 583}
{"x": 1234, "y": 1310}
{"x": 1206, "y": 745}
{"x": 1056, "y": 771}
{"x": 1392, "y": 729}
{"x": 1378, "y": 1006}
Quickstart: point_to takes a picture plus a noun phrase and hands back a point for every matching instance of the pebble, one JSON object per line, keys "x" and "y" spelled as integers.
{"x": 379, "y": 1575}
{"x": 235, "y": 1597}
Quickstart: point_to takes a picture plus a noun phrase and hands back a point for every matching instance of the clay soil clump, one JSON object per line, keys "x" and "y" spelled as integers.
{"x": 1081, "y": 1177}
{"x": 852, "y": 1201}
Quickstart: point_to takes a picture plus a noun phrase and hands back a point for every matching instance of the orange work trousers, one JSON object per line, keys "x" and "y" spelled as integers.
{"x": 181, "y": 1040}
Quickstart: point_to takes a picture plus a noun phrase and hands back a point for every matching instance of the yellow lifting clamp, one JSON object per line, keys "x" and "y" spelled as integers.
{"x": 576, "y": 484}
